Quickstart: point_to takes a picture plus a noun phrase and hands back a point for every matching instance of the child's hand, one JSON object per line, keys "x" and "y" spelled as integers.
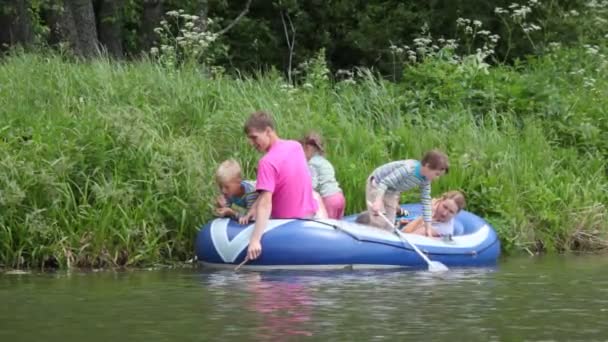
{"x": 377, "y": 206}
{"x": 428, "y": 230}
{"x": 245, "y": 219}
{"x": 223, "y": 212}
{"x": 221, "y": 201}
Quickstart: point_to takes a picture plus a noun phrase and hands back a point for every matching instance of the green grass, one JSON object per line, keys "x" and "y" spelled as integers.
{"x": 111, "y": 164}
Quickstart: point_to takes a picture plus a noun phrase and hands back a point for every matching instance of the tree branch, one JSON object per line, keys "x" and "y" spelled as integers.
{"x": 290, "y": 42}
{"x": 236, "y": 20}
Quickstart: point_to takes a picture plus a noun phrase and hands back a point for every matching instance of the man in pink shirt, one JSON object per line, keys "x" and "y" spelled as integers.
{"x": 283, "y": 179}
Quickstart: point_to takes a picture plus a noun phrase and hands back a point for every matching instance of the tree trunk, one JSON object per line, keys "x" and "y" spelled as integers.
{"x": 203, "y": 13}
{"x": 109, "y": 26}
{"x": 66, "y": 27}
{"x": 73, "y": 22}
{"x": 15, "y": 23}
{"x": 84, "y": 20}
{"x": 152, "y": 14}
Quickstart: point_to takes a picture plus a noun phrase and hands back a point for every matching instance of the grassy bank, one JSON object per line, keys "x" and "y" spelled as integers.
{"x": 105, "y": 163}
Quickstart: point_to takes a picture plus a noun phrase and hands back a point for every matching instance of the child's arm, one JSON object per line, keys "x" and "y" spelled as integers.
{"x": 314, "y": 176}
{"x": 413, "y": 226}
{"x": 251, "y": 212}
{"x": 220, "y": 202}
{"x": 223, "y": 207}
{"x": 225, "y": 212}
{"x": 392, "y": 180}
{"x": 427, "y": 213}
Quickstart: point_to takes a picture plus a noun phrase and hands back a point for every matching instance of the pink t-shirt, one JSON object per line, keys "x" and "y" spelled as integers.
{"x": 283, "y": 170}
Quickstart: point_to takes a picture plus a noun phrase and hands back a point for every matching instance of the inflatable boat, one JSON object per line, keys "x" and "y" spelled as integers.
{"x": 337, "y": 244}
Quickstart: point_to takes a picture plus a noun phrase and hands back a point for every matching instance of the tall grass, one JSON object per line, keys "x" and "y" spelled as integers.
{"x": 106, "y": 163}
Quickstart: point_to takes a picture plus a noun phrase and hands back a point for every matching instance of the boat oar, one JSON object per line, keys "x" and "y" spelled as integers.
{"x": 241, "y": 264}
{"x": 434, "y": 266}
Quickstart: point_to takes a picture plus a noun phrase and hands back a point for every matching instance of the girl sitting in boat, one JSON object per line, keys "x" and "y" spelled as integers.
{"x": 326, "y": 188}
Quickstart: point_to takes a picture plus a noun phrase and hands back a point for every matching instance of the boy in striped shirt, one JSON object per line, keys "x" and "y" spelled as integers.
{"x": 238, "y": 195}
{"x": 387, "y": 182}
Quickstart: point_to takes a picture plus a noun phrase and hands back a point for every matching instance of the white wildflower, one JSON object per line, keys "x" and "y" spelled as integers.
{"x": 592, "y": 49}
{"x": 500, "y": 10}
{"x": 555, "y": 45}
{"x": 521, "y": 13}
{"x": 477, "y": 23}
{"x": 172, "y": 13}
{"x": 588, "y": 82}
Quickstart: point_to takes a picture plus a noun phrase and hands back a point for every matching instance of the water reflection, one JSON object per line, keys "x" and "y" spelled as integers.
{"x": 283, "y": 304}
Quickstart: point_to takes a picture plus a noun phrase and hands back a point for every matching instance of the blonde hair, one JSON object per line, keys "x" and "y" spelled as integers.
{"x": 228, "y": 170}
{"x": 314, "y": 139}
{"x": 455, "y": 196}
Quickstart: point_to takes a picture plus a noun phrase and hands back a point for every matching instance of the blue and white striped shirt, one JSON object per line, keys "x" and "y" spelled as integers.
{"x": 404, "y": 175}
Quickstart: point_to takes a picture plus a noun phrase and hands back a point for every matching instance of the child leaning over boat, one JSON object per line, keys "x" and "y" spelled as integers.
{"x": 386, "y": 183}
{"x": 323, "y": 175}
{"x": 238, "y": 195}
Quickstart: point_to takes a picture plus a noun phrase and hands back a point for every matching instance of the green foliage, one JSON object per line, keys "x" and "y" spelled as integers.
{"x": 107, "y": 163}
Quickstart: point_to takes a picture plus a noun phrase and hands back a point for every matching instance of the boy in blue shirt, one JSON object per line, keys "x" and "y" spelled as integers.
{"x": 238, "y": 195}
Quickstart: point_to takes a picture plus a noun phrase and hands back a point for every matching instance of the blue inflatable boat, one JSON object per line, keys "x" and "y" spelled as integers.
{"x": 337, "y": 244}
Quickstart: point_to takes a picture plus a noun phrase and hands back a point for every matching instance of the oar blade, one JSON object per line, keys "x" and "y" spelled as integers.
{"x": 436, "y": 266}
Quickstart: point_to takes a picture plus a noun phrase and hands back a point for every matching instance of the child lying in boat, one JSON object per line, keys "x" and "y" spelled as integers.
{"x": 238, "y": 195}
{"x": 444, "y": 209}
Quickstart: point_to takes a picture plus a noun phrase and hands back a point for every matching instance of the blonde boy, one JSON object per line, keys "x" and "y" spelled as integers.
{"x": 238, "y": 196}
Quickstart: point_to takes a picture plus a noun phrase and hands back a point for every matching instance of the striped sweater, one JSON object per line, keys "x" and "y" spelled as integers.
{"x": 242, "y": 204}
{"x": 404, "y": 175}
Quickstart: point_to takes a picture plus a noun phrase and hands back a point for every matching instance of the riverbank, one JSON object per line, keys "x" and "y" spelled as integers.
{"x": 111, "y": 164}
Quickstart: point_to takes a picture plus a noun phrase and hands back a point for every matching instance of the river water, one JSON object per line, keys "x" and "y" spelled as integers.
{"x": 557, "y": 298}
